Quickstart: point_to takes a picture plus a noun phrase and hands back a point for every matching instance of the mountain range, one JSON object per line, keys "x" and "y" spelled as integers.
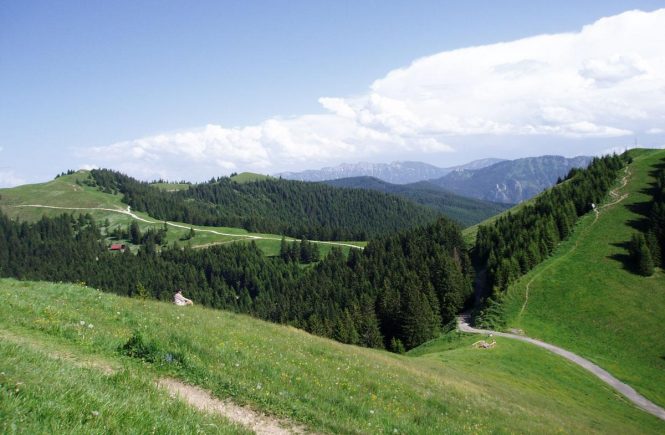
{"x": 395, "y": 172}
{"x": 493, "y": 180}
{"x": 511, "y": 181}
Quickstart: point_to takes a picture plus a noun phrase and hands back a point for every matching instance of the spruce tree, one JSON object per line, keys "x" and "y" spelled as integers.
{"x": 641, "y": 256}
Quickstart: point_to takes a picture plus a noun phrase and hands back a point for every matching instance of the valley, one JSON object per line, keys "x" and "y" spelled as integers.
{"x": 440, "y": 361}
{"x": 316, "y": 217}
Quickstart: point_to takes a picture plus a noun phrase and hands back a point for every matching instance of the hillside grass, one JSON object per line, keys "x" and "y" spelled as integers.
{"x": 70, "y": 191}
{"x": 46, "y": 389}
{"x": 171, "y": 187}
{"x": 248, "y": 177}
{"x": 585, "y": 299}
{"x": 445, "y": 386}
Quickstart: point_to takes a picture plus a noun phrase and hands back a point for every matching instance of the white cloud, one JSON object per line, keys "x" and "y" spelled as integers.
{"x": 9, "y": 179}
{"x": 655, "y": 131}
{"x": 88, "y": 166}
{"x": 605, "y": 81}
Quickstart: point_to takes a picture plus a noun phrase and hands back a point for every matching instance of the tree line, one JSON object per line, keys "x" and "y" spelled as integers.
{"x": 396, "y": 294}
{"x": 313, "y": 210}
{"x": 646, "y": 247}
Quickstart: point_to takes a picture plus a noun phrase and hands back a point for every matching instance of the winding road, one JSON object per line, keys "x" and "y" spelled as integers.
{"x": 625, "y": 389}
{"x": 129, "y": 212}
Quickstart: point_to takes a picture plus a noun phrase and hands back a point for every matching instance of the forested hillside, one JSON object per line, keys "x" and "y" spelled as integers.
{"x": 513, "y": 244}
{"x": 466, "y": 211}
{"x": 396, "y": 294}
{"x": 297, "y": 209}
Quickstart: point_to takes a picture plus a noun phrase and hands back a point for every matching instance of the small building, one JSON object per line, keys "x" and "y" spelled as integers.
{"x": 117, "y": 247}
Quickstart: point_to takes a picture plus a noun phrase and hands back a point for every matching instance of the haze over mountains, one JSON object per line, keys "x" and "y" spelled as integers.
{"x": 395, "y": 172}
{"x": 494, "y": 180}
{"x": 511, "y": 181}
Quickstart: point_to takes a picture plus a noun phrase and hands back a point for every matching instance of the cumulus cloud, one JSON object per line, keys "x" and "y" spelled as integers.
{"x": 9, "y": 179}
{"x": 605, "y": 81}
{"x": 655, "y": 131}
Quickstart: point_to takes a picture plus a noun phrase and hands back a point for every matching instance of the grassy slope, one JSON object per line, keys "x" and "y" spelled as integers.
{"x": 327, "y": 386}
{"x": 64, "y": 192}
{"x": 56, "y": 391}
{"x": 585, "y": 300}
{"x": 246, "y": 177}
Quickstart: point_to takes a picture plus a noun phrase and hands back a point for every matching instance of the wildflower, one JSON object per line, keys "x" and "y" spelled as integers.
{"x": 90, "y": 326}
{"x": 82, "y": 323}
{"x": 95, "y": 413}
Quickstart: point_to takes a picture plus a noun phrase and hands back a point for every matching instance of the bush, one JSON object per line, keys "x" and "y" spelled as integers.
{"x": 137, "y": 347}
{"x": 150, "y": 351}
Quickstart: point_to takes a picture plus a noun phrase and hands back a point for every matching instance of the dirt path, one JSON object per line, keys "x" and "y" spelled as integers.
{"x": 626, "y": 390}
{"x": 204, "y": 401}
{"x": 196, "y": 397}
{"x": 614, "y": 193}
{"x": 128, "y": 212}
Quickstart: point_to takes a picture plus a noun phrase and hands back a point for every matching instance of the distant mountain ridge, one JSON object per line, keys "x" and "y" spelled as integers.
{"x": 510, "y": 181}
{"x": 466, "y": 211}
{"x": 395, "y": 172}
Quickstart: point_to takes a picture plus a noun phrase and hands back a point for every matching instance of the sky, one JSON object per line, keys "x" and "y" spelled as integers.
{"x": 191, "y": 90}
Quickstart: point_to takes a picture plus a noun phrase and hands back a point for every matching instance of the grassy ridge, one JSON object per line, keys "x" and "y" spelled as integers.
{"x": 586, "y": 300}
{"x": 248, "y": 177}
{"x": 64, "y": 191}
{"x": 445, "y": 387}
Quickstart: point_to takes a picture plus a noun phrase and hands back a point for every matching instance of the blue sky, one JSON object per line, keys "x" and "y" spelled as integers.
{"x": 129, "y": 84}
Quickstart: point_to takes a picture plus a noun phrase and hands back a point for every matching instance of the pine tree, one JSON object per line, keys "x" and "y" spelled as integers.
{"x": 135, "y": 233}
{"x": 419, "y": 322}
{"x": 284, "y": 250}
{"x": 641, "y": 256}
{"x": 305, "y": 250}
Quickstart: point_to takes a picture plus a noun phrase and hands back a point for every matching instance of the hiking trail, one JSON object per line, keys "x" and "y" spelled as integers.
{"x": 614, "y": 193}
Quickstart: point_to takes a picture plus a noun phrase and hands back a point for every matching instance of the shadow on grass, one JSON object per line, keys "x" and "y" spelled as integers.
{"x": 624, "y": 258}
{"x": 643, "y": 209}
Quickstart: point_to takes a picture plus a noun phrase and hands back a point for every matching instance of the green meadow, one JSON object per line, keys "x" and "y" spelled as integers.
{"x": 61, "y": 374}
{"x": 586, "y": 299}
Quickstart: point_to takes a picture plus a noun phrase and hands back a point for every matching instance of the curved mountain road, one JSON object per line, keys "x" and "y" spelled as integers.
{"x": 626, "y": 390}
{"x": 128, "y": 212}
